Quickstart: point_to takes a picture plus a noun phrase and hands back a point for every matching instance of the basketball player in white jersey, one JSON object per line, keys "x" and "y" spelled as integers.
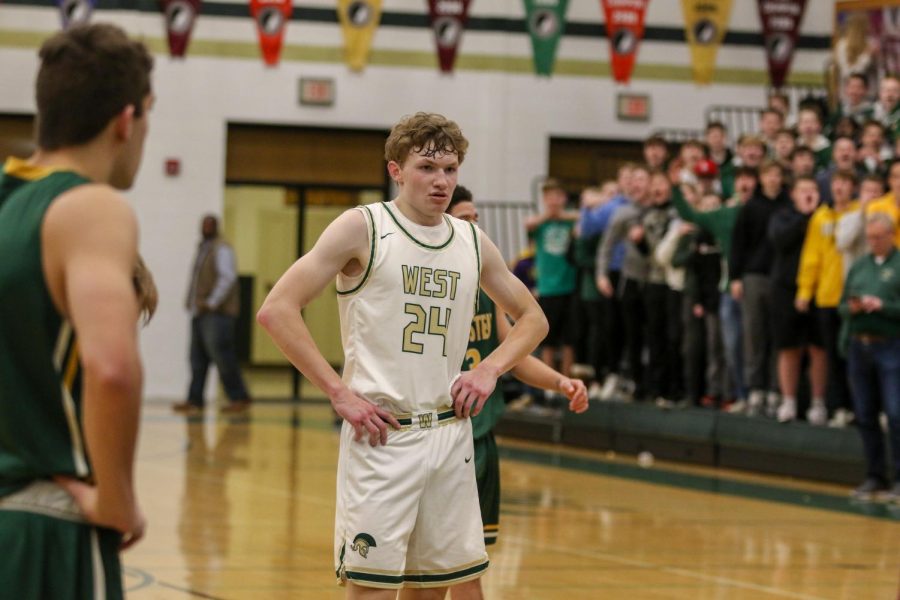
{"x": 407, "y": 280}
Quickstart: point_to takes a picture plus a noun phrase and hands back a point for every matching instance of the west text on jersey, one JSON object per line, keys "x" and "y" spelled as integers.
{"x": 428, "y": 282}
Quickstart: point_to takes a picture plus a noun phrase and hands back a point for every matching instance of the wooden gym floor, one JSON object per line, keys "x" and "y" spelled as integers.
{"x": 243, "y": 508}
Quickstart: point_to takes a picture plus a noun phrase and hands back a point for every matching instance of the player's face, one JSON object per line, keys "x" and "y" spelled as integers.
{"x": 465, "y": 211}
{"x": 127, "y": 163}
{"x": 426, "y": 183}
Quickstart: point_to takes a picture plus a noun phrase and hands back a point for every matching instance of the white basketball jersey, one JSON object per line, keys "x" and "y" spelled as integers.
{"x": 405, "y": 320}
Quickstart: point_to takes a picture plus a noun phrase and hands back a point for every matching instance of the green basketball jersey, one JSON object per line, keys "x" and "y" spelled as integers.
{"x": 482, "y": 341}
{"x": 40, "y": 408}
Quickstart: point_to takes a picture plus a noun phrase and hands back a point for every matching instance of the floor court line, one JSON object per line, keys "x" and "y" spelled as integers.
{"x": 650, "y": 565}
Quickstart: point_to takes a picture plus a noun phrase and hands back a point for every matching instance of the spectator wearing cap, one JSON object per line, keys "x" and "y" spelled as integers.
{"x": 751, "y": 150}
{"x": 720, "y": 223}
{"x": 750, "y": 264}
{"x": 793, "y": 327}
{"x": 691, "y": 153}
{"x": 843, "y": 158}
{"x": 820, "y": 279}
{"x": 870, "y": 305}
{"x": 707, "y": 173}
{"x": 716, "y": 138}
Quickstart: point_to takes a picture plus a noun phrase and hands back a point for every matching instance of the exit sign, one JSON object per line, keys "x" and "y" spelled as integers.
{"x": 633, "y": 107}
{"x": 316, "y": 92}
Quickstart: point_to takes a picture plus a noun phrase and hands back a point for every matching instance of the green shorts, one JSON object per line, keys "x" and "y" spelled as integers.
{"x": 50, "y": 552}
{"x": 487, "y": 475}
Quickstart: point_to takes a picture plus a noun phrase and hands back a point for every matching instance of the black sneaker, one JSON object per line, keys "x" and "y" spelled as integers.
{"x": 870, "y": 489}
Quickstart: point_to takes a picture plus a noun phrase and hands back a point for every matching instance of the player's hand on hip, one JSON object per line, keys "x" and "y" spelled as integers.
{"x": 576, "y": 392}
{"x": 129, "y": 522}
{"x": 471, "y": 390}
{"x": 365, "y": 418}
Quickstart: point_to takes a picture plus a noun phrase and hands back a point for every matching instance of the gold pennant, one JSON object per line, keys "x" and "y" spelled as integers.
{"x": 359, "y": 19}
{"x": 705, "y": 24}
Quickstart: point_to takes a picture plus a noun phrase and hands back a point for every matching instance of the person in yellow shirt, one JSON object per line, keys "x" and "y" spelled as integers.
{"x": 888, "y": 204}
{"x": 821, "y": 277}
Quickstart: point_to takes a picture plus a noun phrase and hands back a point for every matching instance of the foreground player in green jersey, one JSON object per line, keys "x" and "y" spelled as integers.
{"x": 71, "y": 290}
{"x": 486, "y": 334}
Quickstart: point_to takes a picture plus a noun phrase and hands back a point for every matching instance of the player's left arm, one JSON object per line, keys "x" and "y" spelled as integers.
{"x": 538, "y": 374}
{"x": 473, "y": 388}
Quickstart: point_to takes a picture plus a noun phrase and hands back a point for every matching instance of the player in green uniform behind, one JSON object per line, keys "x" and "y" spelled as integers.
{"x": 72, "y": 287}
{"x": 486, "y": 334}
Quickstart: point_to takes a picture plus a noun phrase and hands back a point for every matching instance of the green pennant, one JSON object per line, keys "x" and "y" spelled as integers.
{"x": 546, "y": 22}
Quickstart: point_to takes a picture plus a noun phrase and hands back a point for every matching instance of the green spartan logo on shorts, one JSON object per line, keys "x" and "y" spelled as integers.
{"x": 362, "y": 542}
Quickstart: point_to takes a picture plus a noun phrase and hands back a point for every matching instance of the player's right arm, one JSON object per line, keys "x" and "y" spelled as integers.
{"x": 89, "y": 239}
{"x": 343, "y": 246}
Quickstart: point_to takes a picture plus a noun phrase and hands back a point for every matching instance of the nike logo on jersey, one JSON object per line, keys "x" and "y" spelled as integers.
{"x": 468, "y": 459}
{"x": 387, "y": 234}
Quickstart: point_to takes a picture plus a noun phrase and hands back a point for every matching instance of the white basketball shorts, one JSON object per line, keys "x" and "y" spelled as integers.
{"x": 407, "y": 512}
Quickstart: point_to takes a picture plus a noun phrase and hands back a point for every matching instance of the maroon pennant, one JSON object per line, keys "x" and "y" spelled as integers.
{"x": 781, "y": 26}
{"x": 448, "y": 19}
{"x": 180, "y": 17}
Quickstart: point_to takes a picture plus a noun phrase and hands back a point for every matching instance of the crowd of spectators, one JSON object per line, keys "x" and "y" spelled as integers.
{"x": 760, "y": 278}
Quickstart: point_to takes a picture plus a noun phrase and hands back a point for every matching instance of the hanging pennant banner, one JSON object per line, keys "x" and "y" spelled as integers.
{"x": 625, "y": 29}
{"x": 271, "y": 18}
{"x": 180, "y": 16}
{"x": 705, "y": 23}
{"x": 359, "y": 19}
{"x": 75, "y": 12}
{"x": 780, "y": 25}
{"x": 448, "y": 19}
{"x": 546, "y": 22}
